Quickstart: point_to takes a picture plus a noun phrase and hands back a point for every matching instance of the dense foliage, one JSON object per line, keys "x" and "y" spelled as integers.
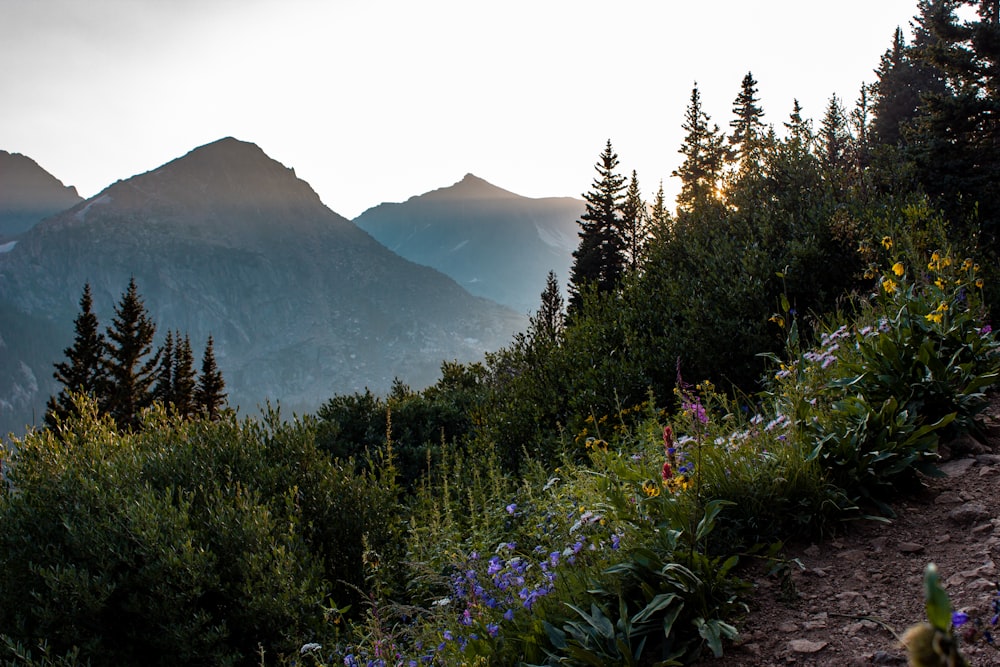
{"x": 784, "y": 351}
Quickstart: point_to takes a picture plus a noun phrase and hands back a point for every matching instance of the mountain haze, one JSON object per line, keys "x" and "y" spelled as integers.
{"x": 226, "y": 241}
{"x": 28, "y": 195}
{"x": 495, "y": 243}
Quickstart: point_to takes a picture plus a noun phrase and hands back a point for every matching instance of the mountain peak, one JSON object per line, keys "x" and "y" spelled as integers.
{"x": 29, "y": 194}
{"x": 471, "y": 187}
{"x": 226, "y": 172}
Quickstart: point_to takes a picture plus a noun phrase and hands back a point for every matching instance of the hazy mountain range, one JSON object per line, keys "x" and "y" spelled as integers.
{"x": 302, "y": 303}
{"x": 495, "y": 243}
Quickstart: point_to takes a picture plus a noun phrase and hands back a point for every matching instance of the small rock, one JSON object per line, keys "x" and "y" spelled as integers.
{"x": 947, "y": 498}
{"x": 983, "y": 585}
{"x": 814, "y": 625}
{"x": 878, "y": 544}
{"x": 806, "y": 646}
{"x": 983, "y": 528}
{"x": 886, "y": 658}
{"x": 968, "y": 514}
{"x": 957, "y": 467}
{"x": 988, "y": 459}
{"x": 967, "y": 444}
{"x": 910, "y": 547}
{"x": 944, "y": 538}
{"x": 788, "y": 627}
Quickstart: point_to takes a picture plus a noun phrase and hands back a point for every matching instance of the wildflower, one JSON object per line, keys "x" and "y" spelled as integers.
{"x": 777, "y": 319}
{"x": 666, "y": 473}
{"x": 447, "y": 635}
{"x": 492, "y": 629}
{"x": 967, "y": 264}
{"x": 959, "y": 618}
{"x": 650, "y": 489}
{"x": 308, "y": 648}
{"x": 898, "y": 269}
{"x": 889, "y": 285}
{"x": 511, "y": 508}
{"x": 668, "y": 438}
{"x": 508, "y": 615}
{"x": 616, "y": 541}
{"x": 979, "y": 283}
{"x": 887, "y": 242}
{"x": 986, "y": 330}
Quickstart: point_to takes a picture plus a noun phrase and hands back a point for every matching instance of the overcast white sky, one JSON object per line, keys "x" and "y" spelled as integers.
{"x": 380, "y": 100}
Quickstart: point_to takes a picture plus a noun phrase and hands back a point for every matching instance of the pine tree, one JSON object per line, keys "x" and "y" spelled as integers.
{"x": 84, "y": 370}
{"x": 546, "y": 325}
{"x": 598, "y": 261}
{"x": 184, "y": 381}
{"x": 799, "y": 129}
{"x": 955, "y": 140}
{"x": 833, "y": 136}
{"x": 209, "y": 396}
{"x": 705, "y": 157}
{"x": 903, "y": 81}
{"x": 131, "y": 366}
{"x": 749, "y": 132}
{"x": 635, "y": 224}
{"x": 163, "y": 390}
{"x": 659, "y": 214}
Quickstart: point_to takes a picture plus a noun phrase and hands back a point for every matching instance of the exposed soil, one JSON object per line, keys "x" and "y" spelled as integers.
{"x": 857, "y": 591}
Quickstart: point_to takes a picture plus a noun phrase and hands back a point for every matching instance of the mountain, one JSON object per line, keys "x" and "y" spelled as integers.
{"x": 28, "y": 195}
{"x": 495, "y": 243}
{"x": 226, "y": 241}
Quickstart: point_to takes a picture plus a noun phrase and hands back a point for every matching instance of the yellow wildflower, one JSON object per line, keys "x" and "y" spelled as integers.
{"x": 777, "y": 319}
{"x": 979, "y": 283}
{"x": 889, "y": 285}
{"x": 887, "y": 242}
{"x": 939, "y": 283}
{"x": 898, "y": 269}
{"x": 967, "y": 264}
{"x": 650, "y": 489}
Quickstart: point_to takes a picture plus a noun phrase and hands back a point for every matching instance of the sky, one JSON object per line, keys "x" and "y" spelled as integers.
{"x": 375, "y": 101}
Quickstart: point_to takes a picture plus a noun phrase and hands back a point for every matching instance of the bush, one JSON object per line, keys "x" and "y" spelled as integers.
{"x": 187, "y": 543}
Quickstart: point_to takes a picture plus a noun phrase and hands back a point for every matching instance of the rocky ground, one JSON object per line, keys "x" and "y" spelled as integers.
{"x": 855, "y": 593}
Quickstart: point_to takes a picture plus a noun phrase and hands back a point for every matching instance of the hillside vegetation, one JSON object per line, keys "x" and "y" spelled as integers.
{"x": 782, "y": 352}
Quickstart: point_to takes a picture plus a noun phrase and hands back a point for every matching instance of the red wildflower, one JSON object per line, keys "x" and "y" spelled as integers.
{"x": 666, "y": 473}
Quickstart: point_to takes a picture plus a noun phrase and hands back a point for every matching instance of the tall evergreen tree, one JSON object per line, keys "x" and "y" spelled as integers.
{"x": 163, "y": 390}
{"x": 635, "y": 224}
{"x": 705, "y": 157}
{"x": 598, "y": 261}
{"x": 184, "y": 382}
{"x": 955, "y": 141}
{"x": 131, "y": 365}
{"x": 749, "y": 132}
{"x": 799, "y": 129}
{"x": 659, "y": 214}
{"x": 833, "y": 136}
{"x": 84, "y": 370}
{"x": 902, "y": 82}
{"x": 546, "y": 325}
{"x": 209, "y": 396}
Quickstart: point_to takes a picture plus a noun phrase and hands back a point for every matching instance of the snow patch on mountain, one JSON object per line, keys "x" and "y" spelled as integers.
{"x": 81, "y": 215}
{"x": 7, "y": 247}
{"x": 555, "y": 239}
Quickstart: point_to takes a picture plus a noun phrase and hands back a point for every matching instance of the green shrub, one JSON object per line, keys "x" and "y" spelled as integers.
{"x": 187, "y": 543}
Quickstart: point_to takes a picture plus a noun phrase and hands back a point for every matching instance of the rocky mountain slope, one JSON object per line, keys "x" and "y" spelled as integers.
{"x": 28, "y": 195}
{"x": 495, "y": 243}
{"x": 225, "y": 241}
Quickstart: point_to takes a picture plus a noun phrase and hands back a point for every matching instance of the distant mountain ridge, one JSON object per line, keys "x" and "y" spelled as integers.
{"x": 226, "y": 241}
{"x": 495, "y": 243}
{"x": 29, "y": 194}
